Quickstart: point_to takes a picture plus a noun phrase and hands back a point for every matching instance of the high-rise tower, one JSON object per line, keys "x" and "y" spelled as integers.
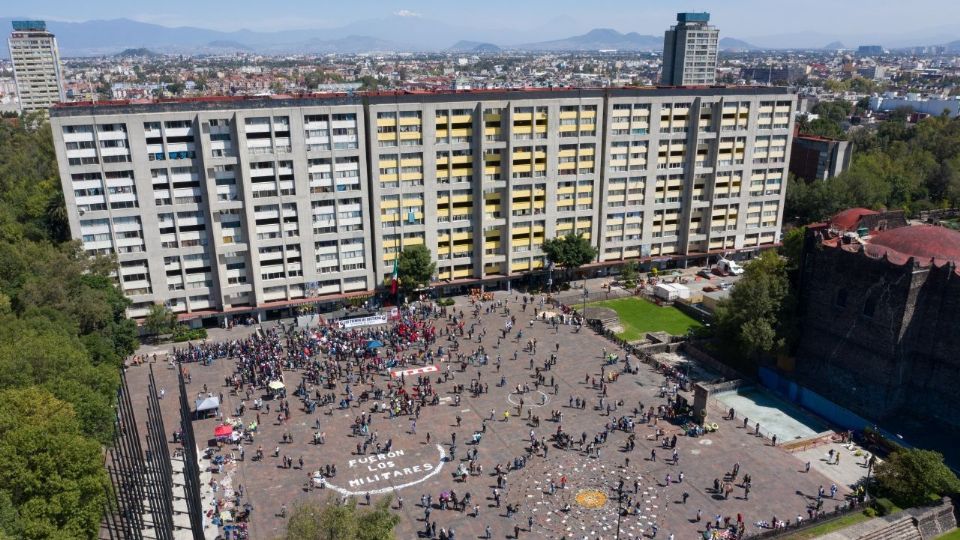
{"x": 690, "y": 51}
{"x": 36, "y": 65}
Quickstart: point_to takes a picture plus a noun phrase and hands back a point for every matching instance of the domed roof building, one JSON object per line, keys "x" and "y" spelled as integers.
{"x": 880, "y": 319}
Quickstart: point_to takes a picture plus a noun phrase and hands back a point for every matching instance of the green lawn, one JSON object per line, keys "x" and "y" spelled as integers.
{"x": 638, "y": 316}
{"x": 829, "y": 527}
{"x": 955, "y": 535}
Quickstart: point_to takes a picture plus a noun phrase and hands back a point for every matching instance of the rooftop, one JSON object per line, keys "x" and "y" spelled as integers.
{"x": 848, "y": 219}
{"x": 925, "y": 243}
{"x": 395, "y": 96}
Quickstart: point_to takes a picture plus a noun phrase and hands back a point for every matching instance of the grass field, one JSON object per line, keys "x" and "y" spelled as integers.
{"x": 829, "y": 527}
{"x": 638, "y": 316}
{"x": 955, "y": 535}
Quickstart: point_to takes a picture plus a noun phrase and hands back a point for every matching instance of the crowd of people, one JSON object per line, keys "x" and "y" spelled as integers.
{"x": 334, "y": 367}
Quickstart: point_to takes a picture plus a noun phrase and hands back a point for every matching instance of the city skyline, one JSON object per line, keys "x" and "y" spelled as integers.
{"x": 751, "y": 20}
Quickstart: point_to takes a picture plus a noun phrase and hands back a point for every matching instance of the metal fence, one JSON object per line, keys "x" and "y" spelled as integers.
{"x": 140, "y": 492}
{"x": 191, "y": 465}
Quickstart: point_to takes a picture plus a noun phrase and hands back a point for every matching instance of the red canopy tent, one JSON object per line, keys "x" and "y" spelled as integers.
{"x": 223, "y": 431}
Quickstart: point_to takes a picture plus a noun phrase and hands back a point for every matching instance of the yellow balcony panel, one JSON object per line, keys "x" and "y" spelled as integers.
{"x": 462, "y": 132}
{"x": 566, "y": 190}
{"x": 409, "y": 135}
{"x": 568, "y": 114}
{"x": 519, "y": 267}
{"x": 408, "y": 177}
{"x": 522, "y": 155}
{"x": 522, "y": 168}
{"x": 520, "y": 230}
{"x": 386, "y": 136}
{"x": 462, "y": 199}
{"x": 388, "y": 177}
{"x": 492, "y": 131}
{"x": 539, "y": 205}
{"x": 412, "y": 162}
{"x": 388, "y": 163}
{"x": 443, "y": 199}
{"x": 442, "y": 160}
{"x": 522, "y": 129}
{"x": 443, "y": 250}
{"x": 583, "y": 164}
{"x": 390, "y": 217}
{"x": 409, "y": 121}
{"x": 462, "y": 236}
{"x": 522, "y": 117}
{"x": 588, "y": 113}
{"x": 522, "y": 192}
{"x": 412, "y": 241}
{"x": 537, "y": 264}
{"x": 541, "y": 128}
{"x": 389, "y": 256}
{"x": 442, "y": 119}
{"x": 541, "y": 116}
{"x": 492, "y": 170}
{"x": 491, "y": 117}
{"x": 442, "y": 173}
{"x": 617, "y": 198}
{"x": 462, "y": 118}
{"x": 386, "y": 122}
{"x": 441, "y": 134}
{"x": 389, "y": 203}
{"x": 570, "y": 152}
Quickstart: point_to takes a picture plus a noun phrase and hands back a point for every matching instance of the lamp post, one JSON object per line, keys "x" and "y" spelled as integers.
{"x": 586, "y": 293}
{"x": 619, "y": 505}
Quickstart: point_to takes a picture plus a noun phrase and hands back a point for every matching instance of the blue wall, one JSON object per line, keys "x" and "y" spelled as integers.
{"x": 817, "y": 404}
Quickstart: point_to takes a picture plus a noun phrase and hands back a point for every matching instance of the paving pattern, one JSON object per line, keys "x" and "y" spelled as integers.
{"x": 418, "y": 467}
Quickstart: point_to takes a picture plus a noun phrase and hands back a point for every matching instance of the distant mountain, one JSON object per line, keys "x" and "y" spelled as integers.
{"x": 953, "y": 46}
{"x": 599, "y": 38}
{"x": 137, "y": 53}
{"x": 352, "y": 45}
{"x": 834, "y": 46}
{"x": 228, "y": 44}
{"x": 475, "y": 47}
{"x": 731, "y": 44}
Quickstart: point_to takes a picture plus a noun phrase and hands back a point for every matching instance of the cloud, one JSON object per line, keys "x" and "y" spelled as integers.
{"x": 407, "y": 13}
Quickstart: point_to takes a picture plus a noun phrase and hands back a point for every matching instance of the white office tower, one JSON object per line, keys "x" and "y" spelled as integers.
{"x": 690, "y": 51}
{"x": 36, "y": 66}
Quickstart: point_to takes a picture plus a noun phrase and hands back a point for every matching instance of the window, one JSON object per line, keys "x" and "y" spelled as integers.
{"x": 841, "y": 300}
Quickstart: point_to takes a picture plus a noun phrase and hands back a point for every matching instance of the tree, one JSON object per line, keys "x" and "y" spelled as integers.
{"x": 752, "y": 322}
{"x": 629, "y": 274}
{"x": 912, "y": 477}
{"x": 50, "y": 474}
{"x": 331, "y": 521}
{"x": 415, "y": 267}
{"x": 571, "y": 251}
{"x": 160, "y": 320}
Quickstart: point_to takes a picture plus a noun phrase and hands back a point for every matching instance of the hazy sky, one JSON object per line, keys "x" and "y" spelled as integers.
{"x": 738, "y": 18}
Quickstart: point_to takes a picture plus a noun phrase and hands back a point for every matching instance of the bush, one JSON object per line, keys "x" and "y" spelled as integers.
{"x": 629, "y": 284}
{"x": 445, "y": 302}
{"x": 885, "y": 506}
{"x": 183, "y": 333}
{"x": 870, "y": 512}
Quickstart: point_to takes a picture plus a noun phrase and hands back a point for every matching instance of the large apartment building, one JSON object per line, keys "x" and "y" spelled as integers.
{"x": 247, "y": 205}
{"x": 36, "y": 65}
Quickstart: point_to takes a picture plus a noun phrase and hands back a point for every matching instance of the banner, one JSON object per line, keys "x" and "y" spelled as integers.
{"x": 380, "y": 318}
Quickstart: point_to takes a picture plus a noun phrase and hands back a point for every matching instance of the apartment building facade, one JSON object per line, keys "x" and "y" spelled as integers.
{"x": 690, "y": 51}
{"x": 219, "y": 206}
{"x": 36, "y": 66}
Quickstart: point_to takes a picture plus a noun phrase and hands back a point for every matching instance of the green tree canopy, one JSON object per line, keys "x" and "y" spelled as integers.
{"x": 330, "y": 521}
{"x": 50, "y": 474}
{"x": 415, "y": 267}
{"x": 750, "y": 323}
{"x": 160, "y": 320}
{"x": 911, "y": 477}
{"x": 571, "y": 251}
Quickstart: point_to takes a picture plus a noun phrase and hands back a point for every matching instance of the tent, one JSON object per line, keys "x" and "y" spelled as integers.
{"x": 276, "y": 385}
{"x": 374, "y": 344}
{"x": 209, "y": 403}
{"x": 223, "y": 431}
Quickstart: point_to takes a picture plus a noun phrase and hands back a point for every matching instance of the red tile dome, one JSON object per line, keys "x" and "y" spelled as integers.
{"x": 923, "y": 242}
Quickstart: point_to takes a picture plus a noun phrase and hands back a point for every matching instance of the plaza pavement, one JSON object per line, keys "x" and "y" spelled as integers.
{"x": 780, "y": 488}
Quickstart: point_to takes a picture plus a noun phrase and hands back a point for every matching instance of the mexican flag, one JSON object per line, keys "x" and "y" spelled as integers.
{"x": 395, "y": 278}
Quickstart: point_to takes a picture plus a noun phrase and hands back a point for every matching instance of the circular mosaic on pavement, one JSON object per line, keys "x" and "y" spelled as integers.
{"x": 591, "y": 498}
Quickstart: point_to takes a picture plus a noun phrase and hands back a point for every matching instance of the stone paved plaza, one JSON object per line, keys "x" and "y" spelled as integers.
{"x": 415, "y": 467}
